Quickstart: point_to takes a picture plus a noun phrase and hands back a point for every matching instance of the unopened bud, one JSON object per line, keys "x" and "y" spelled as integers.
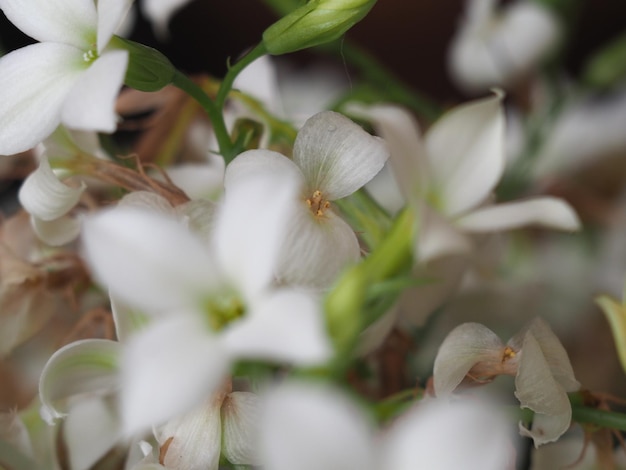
{"x": 148, "y": 69}
{"x": 317, "y": 22}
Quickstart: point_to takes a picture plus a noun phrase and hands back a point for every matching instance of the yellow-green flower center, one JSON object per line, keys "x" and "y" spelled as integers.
{"x": 221, "y": 310}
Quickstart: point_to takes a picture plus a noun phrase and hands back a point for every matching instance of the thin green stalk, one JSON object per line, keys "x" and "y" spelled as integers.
{"x": 227, "y": 149}
{"x": 606, "y": 419}
{"x": 229, "y": 78}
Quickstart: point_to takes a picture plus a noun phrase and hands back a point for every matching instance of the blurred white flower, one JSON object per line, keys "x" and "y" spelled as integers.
{"x": 332, "y": 432}
{"x": 535, "y": 356}
{"x": 498, "y": 46}
{"x": 70, "y": 77}
{"x": 448, "y": 176}
{"x": 212, "y": 303}
{"x": 159, "y": 13}
{"x": 332, "y": 158}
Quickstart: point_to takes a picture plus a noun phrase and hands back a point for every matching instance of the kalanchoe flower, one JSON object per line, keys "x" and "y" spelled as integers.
{"x": 535, "y": 356}
{"x": 211, "y": 303}
{"x": 499, "y": 47}
{"x": 448, "y": 177}
{"x": 70, "y": 77}
{"x": 435, "y": 434}
{"x": 332, "y": 158}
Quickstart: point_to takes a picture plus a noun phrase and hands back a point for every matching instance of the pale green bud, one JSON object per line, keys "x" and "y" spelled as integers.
{"x": 317, "y": 22}
{"x": 148, "y": 69}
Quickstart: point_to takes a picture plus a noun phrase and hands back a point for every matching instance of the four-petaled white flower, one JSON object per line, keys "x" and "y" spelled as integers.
{"x": 535, "y": 356}
{"x": 212, "y": 303}
{"x": 72, "y": 76}
{"x": 332, "y": 158}
{"x": 448, "y": 177}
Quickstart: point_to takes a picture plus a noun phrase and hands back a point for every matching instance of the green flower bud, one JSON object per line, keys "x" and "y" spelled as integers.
{"x": 317, "y": 22}
{"x": 148, "y": 69}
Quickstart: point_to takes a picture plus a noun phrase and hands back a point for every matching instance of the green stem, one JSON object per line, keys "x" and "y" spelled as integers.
{"x": 606, "y": 419}
{"x": 231, "y": 75}
{"x": 213, "y": 111}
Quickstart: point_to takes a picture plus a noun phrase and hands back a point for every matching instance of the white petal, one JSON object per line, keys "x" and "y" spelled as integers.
{"x": 160, "y": 11}
{"x": 375, "y": 334}
{"x": 449, "y": 436}
{"x": 90, "y": 105}
{"x": 45, "y": 197}
{"x": 57, "y": 232}
{"x": 127, "y": 321}
{"x": 536, "y": 388}
{"x": 149, "y": 201}
{"x": 241, "y": 412}
{"x": 254, "y": 162}
{"x": 408, "y": 158}
{"x": 466, "y": 152}
{"x": 167, "y": 369}
{"x": 251, "y": 227}
{"x": 313, "y": 427}
{"x": 464, "y": 347}
{"x": 545, "y": 211}
{"x": 34, "y": 83}
{"x": 148, "y": 260}
{"x": 85, "y": 366}
{"x": 287, "y": 326}
{"x": 195, "y": 437}
{"x": 554, "y": 354}
{"x": 316, "y": 249}
{"x": 198, "y": 179}
{"x": 438, "y": 238}
{"x": 111, "y": 13}
{"x": 91, "y": 429}
{"x": 336, "y": 155}
{"x": 386, "y": 191}
{"x": 70, "y": 21}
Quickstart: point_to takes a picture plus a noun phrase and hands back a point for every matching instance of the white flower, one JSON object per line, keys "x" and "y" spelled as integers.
{"x": 212, "y": 304}
{"x": 448, "y": 176}
{"x": 332, "y": 158}
{"x": 332, "y": 432}
{"x": 160, "y": 12}
{"x": 497, "y": 48}
{"x": 70, "y": 77}
{"x": 535, "y": 356}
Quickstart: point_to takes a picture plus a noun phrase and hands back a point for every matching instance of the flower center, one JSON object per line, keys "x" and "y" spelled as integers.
{"x": 317, "y": 203}
{"x": 90, "y": 55}
{"x": 221, "y": 310}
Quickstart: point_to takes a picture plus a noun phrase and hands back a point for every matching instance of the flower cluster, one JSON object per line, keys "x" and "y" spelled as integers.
{"x": 198, "y": 277}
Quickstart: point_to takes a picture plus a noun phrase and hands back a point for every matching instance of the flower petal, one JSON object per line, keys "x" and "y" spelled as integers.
{"x": 85, "y": 366}
{"x": 337, "y": 156}
{"x": 446, "y": 436}
{"x": 316, "y": 249}
{"x": 167, "y": 369}
{"x": 248, "y": 235}
{"x": 536, "y": 388}
{"x": 198, "y": 180}
{"x": 545, "y": 211}
{"x": 408, "y": 158}
{"x": 193, "y": 440}
{"x": 286, "y": 326}
{"x": 254, "y": 162}
{"x": 57, "y": 232}
{"x": 91, "y": 429}
{"x": 111, "y": 14}
{"x": 240, "y": 412}
{"x": 467, "y": 153}
{"x": 127, "y": 321}
{"x": 45, "y": 197}
{"x": 300, "y": 428}
{"x": 70, "y": 22}
{"x": 90, "y": 104}
{"x": 464, "y": 347}
{"x": 147, "y": 259}
{"x": 438, "y": 238}
{"x": 34, "y": 83}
